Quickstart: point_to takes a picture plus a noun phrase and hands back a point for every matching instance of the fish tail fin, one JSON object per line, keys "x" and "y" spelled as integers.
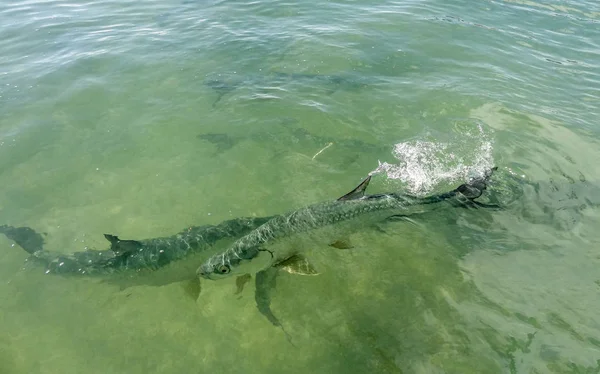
{"x": 26, "y": 237}
{"x": 287, "y": 336}
{"x": 475, "y": 186}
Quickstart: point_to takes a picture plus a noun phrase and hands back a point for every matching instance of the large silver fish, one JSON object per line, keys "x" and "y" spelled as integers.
{"x": 278, "y": 244}
{"x": 269, "y": 245}
{"x": 134, "y": 255}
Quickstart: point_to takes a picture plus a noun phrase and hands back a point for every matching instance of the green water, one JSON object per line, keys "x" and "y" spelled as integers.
{"x": 142, "y": 118}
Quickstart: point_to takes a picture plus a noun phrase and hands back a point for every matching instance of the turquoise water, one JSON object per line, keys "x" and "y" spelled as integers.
{"x": 142, "y": 118}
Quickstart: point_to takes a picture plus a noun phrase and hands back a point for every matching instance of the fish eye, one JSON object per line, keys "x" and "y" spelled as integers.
{"x": 223, "y": 269}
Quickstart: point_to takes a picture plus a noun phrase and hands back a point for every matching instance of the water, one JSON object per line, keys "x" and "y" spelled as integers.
{"x": 140, "y": 119}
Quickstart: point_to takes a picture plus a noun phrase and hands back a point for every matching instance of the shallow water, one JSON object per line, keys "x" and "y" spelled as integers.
{"x": 140, "y": 119}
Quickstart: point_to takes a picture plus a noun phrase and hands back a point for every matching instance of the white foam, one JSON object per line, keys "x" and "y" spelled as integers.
{"x": 425, "y": 163}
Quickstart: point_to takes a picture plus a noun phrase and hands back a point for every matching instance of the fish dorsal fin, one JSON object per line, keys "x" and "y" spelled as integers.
{"x": 297, "y": 265}
{"x": 113, "y": 239}
{"x": 358, "y": 192}
{"x": 120, "y": 246}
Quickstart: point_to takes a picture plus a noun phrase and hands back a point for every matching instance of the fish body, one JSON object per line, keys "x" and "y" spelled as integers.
{"x": 266, "y": 245}
{"x": 130, "y": 254}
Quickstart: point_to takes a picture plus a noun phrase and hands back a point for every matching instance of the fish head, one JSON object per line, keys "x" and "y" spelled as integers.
{"x": 249, "y": 260}
{"x": 213, "y": 271}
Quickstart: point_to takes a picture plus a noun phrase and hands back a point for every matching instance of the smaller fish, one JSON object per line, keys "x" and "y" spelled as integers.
{"x": 223, "y": 84}
{"x": 222, "y": 142}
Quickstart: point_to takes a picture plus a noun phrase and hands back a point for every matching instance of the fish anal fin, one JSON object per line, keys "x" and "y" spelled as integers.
{"x": 358, "y": 192}
{"x": 25, "y": 237}
{"x": 298, "y": 265}
{"x": 341, "y": 244}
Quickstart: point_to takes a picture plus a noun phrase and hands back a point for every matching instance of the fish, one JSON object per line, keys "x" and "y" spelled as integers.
{"x": 253, "y": 248}
{"x": 221, "y": 87}
{"x": 269, "y": 246}
{"x": 223, "y": 84}
{"x": 129, "y": 255}
{"x": 295, "y": 138}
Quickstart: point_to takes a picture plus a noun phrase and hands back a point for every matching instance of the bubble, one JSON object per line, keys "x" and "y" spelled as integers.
{"x": 424, "y": 163}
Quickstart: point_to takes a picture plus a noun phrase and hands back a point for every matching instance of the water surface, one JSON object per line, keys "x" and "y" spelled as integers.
{"x": 140, "y": 119}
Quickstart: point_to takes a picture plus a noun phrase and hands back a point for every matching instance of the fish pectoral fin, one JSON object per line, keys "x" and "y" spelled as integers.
{"x": 341, "y": 244}
{"x": 297, "y": 265}
{"x": 358, "y": 192}
{"x": 240, "y": 282}
{"x": 266, "y": 281}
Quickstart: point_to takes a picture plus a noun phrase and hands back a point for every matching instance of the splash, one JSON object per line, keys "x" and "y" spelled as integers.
{"x": 423, "y": 164}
